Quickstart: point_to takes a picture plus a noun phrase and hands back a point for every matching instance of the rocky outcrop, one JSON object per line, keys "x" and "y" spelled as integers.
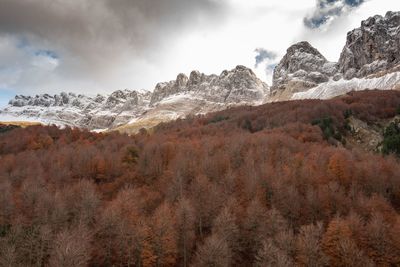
{"x": 235, "y": 86}
{"x": 166, "y": 89}
{"x": 373, "y": 47}
{"x": 371, "y": 51}
{"x": 80, "y": 110}
{"x": 302, "y": 67}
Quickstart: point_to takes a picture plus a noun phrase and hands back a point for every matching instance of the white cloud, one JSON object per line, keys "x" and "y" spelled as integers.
{"x": 110, "y": 50}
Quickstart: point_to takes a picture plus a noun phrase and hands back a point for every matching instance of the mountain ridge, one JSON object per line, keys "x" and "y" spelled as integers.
{"x": 370, "y": 59}
{"x": 214, "y": 92}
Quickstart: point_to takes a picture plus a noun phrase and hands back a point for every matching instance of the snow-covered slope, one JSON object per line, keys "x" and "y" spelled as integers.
{"x": 96, "y": 112}
{"x": 333, "y": 88}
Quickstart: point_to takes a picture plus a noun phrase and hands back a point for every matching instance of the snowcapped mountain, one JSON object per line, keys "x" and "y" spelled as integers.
{"x": 233, "y": 87}
{"x": 198, "y": 93}
{"x": 369, "y": 60}
{"x": 373, "y": 47}
{"x": 302, "y": 67}
{"x": 96, "y": 112}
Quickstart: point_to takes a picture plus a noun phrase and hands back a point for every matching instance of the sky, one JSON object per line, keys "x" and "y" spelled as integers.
{"x": 98, "y": 46}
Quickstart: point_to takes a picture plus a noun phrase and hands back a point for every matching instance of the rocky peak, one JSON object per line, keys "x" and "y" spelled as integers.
{"x": 373, "y": 47}
{"x": 239, "y": 72}
{"x": 118, "y": 97}
{"x": 237, "y": 85}
{"x": 165, "y": 89}
{"x": 302, "y": 56}
{"x": 241, "y": 85}
{"x": 181, "y": 80}
{"x": 44, "y": 100}
{"x": 72, "y": 100}
{"x": 195, "y": 78}
{"x": 241, "y": 68}
{"x": 302, "y": 67}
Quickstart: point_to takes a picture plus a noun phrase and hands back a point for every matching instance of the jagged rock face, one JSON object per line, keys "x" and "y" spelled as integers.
{"x": 373, "y": 47}
{"x": 80, "y": 110}
{"x": 46, "y": 100}
{"x": 122, "y": 97}
{"x": 166, "y": 89}
{"x": 302, "y": 67}
{"x": 235, "y": 86}
{"x": 241, "y": 85}
{"x": 115, "y": 100}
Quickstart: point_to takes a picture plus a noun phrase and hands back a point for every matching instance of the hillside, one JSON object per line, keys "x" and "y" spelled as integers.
{"x": 281, "y": 184}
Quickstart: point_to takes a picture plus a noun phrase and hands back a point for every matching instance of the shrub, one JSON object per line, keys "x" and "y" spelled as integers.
{"x": 391, "y": 141}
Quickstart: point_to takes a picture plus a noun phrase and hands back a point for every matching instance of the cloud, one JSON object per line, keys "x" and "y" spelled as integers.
{"x": 94, "y": 39}
{"x": 326, "y": 11}
{"x": 270, "y": 67}
{"x": 98, "y": 46}
{"x": 266, "y": 60}
{"x": 263, "y": 55}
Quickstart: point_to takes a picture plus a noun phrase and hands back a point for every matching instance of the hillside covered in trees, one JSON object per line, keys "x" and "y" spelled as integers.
{"x": 281, "y": 184}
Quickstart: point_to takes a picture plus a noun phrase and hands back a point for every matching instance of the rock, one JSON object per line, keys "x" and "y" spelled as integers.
{"x": 302, "y": 66}
{"x": 373, "y": 47}
{"x": 235, "y": 86}
{"x": 119, "y": 97}
{"x": 195, "y": 78}
{"x": 181, "y": 80}
{"x": 166, "y": 89}
{"x": 80, "y": 110}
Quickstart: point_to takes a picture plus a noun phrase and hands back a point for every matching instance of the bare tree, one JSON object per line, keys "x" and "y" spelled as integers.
{"x": 271, "y": 256}
{"x": 71, "y": 248}
{"x": 186, "y": 229}
{"x": 6, "y": 203}
{"x": 162, "y": 236}
{"x": 8, "y": 254}
{"x": 309, "y": 246}
{"x": 82, "y": 201}
{"x": 214, "y": 252}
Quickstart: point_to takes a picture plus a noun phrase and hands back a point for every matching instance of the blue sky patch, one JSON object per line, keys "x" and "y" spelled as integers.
{"x": 46, "y": 53}
{"x": 5, "y": 96}
{"x": 24, "y": 44}
{"x": 329, "y": 9}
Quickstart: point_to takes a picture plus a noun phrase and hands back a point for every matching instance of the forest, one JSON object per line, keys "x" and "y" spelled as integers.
{"x": 271, "y": 185}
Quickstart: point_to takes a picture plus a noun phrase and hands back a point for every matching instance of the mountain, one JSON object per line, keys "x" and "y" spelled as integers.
{"x": 373, "y": 47}
{"x": 97, "y": 112}
{"x": 236, "y": 86}
{"x": 198, "y": 93}
{"x": 370, "y": 59}
{"x": 302, "y": 67}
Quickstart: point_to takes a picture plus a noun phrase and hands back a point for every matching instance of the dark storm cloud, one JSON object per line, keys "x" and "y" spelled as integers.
{"x": 328, "y": 10}
{"x": 92, "y": 34}
{"x": 263, "y": 55}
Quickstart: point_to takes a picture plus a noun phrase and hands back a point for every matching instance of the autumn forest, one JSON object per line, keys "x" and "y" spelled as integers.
{"x": 273, "y": 185}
